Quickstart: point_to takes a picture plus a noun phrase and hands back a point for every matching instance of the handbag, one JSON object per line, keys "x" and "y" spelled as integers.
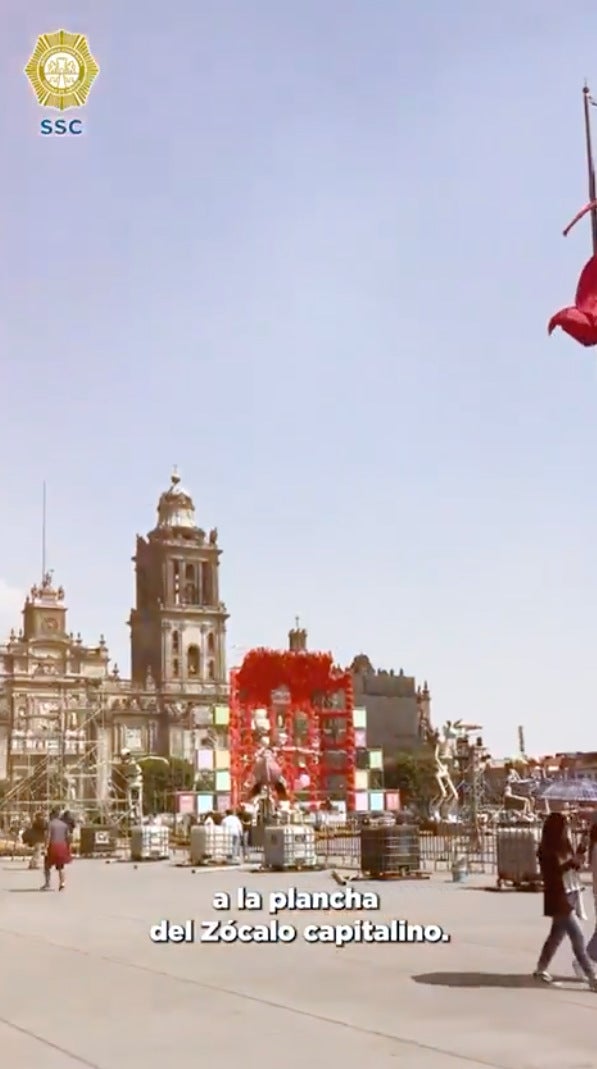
{"x": 574, "y": 892}
{"x": 571, "y": 881}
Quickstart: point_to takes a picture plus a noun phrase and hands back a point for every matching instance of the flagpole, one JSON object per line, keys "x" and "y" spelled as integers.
{"x": 590, "y": 166}
{"x": 43, "y": 533}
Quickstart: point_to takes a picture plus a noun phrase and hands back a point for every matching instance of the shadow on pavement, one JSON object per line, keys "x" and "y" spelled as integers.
{"x": 24, "y": 891}
{"x": 525, "y": 889}
{"x": 482, "y": 979}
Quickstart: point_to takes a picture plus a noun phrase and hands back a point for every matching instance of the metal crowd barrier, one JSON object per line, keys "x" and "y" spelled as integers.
{"x": 438, "y": 852}
{"x": 477, "y": 848}
{"x": 337, "y": 849}
{"x": 341, "y": 848}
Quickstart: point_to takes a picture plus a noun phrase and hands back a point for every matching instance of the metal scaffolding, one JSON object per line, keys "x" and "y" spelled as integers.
{"x": 66, "y": 768}
{"x": 471, "y": 760}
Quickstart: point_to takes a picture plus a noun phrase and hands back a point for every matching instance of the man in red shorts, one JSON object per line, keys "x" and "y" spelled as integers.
{"x": 57, "y": 849}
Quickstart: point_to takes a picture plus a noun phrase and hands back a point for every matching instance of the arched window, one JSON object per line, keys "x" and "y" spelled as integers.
{"x": 175, "y": 643}
{"x": 189, "y": 589}
{"x": 211, "y": 670}
{"x": 193, "y": 661}
{"x": 175, "y": 668}
{"x": 206, "y": 583}
{"x": 211, "y": 645}
{"x": 142, "y": 589}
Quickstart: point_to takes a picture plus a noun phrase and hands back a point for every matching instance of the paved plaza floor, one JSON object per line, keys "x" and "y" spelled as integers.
{"x": 84, "y": 985}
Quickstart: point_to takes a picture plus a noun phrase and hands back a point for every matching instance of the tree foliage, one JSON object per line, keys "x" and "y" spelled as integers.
{"x": 412, "y": 775}
{"x": 161, "y": 781}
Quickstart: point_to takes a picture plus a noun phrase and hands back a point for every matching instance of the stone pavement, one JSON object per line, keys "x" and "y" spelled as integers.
{"x": 83, "y": 985}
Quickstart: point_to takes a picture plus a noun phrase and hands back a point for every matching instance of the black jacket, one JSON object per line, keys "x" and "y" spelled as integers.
{"x": 556, "y": 903}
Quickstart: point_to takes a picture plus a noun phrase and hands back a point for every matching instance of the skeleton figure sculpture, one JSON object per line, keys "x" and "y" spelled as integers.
{"x": 446, "y": 800}
{"x": 267, "y": 774}
{"x": 70, "y": 784}
{"x": 132, "y": 778}
{"x": 512, "y": 800}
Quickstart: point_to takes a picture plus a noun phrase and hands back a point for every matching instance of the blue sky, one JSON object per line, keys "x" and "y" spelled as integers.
{"x": 307, "y": 252}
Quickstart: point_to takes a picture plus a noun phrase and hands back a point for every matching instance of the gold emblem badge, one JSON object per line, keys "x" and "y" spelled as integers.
{"x": 62, "y": 70}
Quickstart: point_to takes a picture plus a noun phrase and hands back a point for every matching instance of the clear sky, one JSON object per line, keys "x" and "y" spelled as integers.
{"x": 307, "y": 252}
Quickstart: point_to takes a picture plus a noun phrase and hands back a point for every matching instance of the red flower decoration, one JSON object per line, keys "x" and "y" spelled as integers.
{"x": 305, "y": 675}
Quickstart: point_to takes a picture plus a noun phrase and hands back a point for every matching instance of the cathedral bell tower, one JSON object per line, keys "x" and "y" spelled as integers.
{"x": 178, "y": 625}
{"x": 44, "y": 615}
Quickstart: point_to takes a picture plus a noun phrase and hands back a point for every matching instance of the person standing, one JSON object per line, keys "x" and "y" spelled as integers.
{"x": 70, "y": 822}
{"x": 233, "y": 827}
{"x": 57, "y": 849}
{"x": 246, "y": 819}
{"x": 559, "y": 870}
{"x": 36, "y": 837}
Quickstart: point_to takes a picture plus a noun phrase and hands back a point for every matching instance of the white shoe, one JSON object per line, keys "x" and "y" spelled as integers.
{"x": 542, "y": 976}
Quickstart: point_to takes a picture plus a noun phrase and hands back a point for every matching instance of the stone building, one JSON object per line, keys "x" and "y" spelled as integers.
{"x": 178, "y": 627}
{"x": 398, "y": 712}
{"x": 65, "y": 716}
{"x": 51, "y": 698}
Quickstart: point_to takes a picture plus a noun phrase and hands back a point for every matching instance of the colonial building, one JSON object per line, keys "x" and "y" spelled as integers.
{"x": 178, "y": 629}
{"x": 65, "y": 716}
{"x": 398, "y": 711}
{"x": 51, "y": 700}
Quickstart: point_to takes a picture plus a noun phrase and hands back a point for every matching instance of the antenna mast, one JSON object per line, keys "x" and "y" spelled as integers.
{"x": 43, "y": 532}
{"x": 592, "y": 205}
{"x": 590, "y": 166}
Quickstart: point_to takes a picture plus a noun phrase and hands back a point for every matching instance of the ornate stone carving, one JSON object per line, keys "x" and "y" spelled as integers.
{"x": 47, "y": 708}
{"x": 175, "y": 711}
{"x": 45, "y": 668}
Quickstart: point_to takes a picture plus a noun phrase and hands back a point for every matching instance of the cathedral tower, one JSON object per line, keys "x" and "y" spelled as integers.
{"x": 297, "y": 638}
{"x": 178, "y": 625}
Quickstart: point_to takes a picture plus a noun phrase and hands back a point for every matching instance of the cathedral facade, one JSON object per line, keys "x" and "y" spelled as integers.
{"x": 65, "y": 716}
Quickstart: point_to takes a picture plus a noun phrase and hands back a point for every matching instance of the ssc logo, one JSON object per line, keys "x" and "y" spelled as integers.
{"x": 61, "y": 126}
{"x": 61, "y": 72}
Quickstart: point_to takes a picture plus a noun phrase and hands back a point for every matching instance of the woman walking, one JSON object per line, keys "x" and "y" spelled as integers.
{"x": 559, "y": 870}
{"x": 592, "y": 944}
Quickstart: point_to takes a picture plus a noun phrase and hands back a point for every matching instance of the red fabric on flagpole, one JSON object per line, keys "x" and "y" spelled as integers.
{"x": 580, "y": 319}
{"x": 590, "y": 207}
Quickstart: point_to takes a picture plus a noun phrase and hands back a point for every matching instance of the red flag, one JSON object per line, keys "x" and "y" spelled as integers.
{"x": 580, "y": 320}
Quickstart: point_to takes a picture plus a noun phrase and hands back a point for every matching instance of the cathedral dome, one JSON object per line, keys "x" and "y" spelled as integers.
{"x": 175, "y": 507}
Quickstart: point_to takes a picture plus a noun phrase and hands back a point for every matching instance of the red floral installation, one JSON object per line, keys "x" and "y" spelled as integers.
{"x": 305, "y": 675}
